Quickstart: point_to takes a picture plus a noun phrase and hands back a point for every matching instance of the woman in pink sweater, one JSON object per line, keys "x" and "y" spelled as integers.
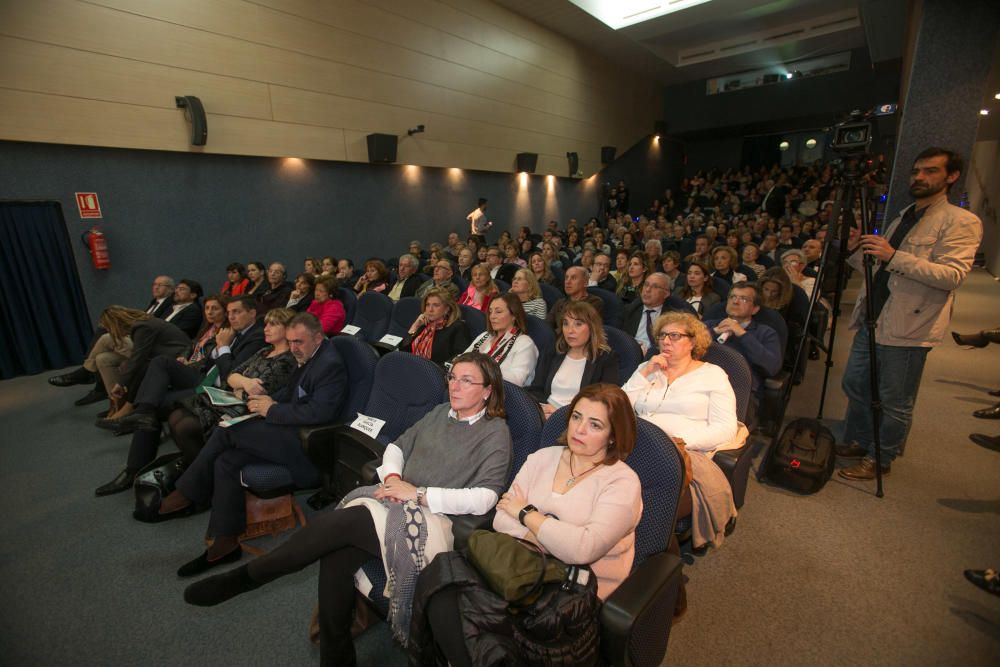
{"x": 579, "y": 501}
{"x": 327, "y": 306}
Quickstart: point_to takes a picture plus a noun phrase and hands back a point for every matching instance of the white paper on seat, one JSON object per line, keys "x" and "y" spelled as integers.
{"x": 389, "y": 339}
{"x": 350, "y": 329}
{"x": 370, "y": 426}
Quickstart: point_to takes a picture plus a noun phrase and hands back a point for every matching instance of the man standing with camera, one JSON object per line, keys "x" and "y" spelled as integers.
{"x": 923, "y": 257}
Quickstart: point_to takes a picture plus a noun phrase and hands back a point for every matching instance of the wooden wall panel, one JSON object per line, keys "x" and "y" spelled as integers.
{"x": 307, "y": 78}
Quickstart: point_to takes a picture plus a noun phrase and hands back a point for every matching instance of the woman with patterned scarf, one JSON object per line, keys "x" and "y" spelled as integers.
{"x": 454, "y": 461}
{"x": 507, "y": 342}
{"x": 437, "y": 333}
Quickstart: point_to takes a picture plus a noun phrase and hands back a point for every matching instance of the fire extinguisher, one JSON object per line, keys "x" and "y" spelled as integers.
{"x": 97, "y": 245}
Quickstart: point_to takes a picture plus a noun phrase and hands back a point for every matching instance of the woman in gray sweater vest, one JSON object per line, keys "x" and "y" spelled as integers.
{"x": 454, "y": 461}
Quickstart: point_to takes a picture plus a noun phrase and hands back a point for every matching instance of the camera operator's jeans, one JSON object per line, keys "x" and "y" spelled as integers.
{"x": 899, "y": 371}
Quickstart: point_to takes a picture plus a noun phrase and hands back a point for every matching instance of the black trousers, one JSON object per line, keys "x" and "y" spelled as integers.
{"x": 185, "y": 429}
{"x": 446, "y": 626}
{"x": 215, "y": 472}
{"x": 342, "y": 541}
{"x": 162, "y": 375}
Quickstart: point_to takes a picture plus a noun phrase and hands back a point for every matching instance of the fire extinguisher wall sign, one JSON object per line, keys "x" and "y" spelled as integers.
{"x": 88, "y": 205}
{"x": 97, "y": 244}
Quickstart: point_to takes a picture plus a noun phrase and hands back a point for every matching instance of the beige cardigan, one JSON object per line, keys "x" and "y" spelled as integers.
{"x": 597, "y": 516}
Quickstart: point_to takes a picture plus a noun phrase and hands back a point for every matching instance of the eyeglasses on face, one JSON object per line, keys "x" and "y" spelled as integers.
{"x": 739, "y": 298}
{"x": 465, "y": 380}
{"x": 674, "y": 336}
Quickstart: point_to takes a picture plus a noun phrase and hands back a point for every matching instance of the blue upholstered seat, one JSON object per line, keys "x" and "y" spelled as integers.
{"x": 372, "y": 315}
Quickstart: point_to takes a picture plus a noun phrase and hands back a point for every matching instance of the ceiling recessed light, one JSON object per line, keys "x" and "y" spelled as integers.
{"x": 997, "y": 96}
{"x": 984, "y": 112}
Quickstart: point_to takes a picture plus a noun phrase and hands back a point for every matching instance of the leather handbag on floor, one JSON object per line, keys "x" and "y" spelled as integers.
{"x": 154, "y": 483}
{"x": 802, "y": 457}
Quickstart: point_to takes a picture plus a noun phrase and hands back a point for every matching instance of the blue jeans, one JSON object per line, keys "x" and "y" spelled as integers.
{"x": 899, "y": 371}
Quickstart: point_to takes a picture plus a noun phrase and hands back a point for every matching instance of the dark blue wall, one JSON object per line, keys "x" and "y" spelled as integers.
{"x": 188, "y": 215}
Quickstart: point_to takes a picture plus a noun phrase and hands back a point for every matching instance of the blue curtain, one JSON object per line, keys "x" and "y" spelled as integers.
{"x": 43, "y": 316}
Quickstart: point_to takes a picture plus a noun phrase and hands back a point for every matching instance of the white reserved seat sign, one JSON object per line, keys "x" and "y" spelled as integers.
{"x": 389, "y": 339}
{"x": 350, "y": 329}
{"x": 370, "y": 426}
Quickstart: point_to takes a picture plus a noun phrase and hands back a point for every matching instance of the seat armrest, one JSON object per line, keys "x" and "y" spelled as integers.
{"x": 369, "y": 472}
{"x": 646, "y": 599}
{"x": 383, "y": 348}
{"x": 777, "y": 381}
{"x": 354, "y": 450}
{"x": 319, "y": 443}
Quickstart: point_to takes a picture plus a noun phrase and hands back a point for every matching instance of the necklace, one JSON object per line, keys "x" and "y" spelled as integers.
{"x": 572, "y": 476}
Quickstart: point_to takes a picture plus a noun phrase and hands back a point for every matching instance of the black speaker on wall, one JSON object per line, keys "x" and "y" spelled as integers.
{"x": 382, "y": 148}
{"x": 196, "y": 114}
{"x": 608, "y": 154}
{"x": 527, "y": 162}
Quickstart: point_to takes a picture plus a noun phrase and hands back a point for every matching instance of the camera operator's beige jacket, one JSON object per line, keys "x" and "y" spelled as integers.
{"x": 929, "y": 265}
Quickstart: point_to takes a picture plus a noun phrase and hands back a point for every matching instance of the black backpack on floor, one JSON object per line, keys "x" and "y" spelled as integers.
{"x": 154, "y": 483}
{"x": 802, "y": 458}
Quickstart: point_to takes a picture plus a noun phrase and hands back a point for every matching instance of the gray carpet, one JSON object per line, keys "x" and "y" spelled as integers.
{"x": 838, "y": 578}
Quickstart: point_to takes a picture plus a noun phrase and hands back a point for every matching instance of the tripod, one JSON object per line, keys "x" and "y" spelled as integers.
{"x": 843, "y": 213}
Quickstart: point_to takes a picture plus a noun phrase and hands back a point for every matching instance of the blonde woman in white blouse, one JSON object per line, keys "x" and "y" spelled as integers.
{"x": 693, "y": 402}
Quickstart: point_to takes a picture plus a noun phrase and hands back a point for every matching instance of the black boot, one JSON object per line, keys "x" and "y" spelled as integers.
{"x": 80, "y": 376}
{"x": 123, "y": 482}
{"x": 217, "y": 589}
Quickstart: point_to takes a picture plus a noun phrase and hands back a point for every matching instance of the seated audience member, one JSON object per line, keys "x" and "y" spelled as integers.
{"x": 236, "y": 280}
{"x": 583, "y": 357}
{"x": 408, "y": 282}
{"x": 345, "y": 271}
{"x": 163, "y": 297}
{"x": 436, "y": 255}
{"x": 812, "y": 252}
{"x": 511, "y": 256}
{"x": 793, "y": 262}
{"x": 278, "y": 289}
{"x": 600, "y": 273}
{"x": 506, "y": 340}
{"x": 757, "y": 342}
{"x": 327, "y": 306}
{"x": 481, "y": 290}
{"x": 466, "y": 260}
{"x": 672, "y": 269}
{"x": 550, "y": 253}
{"x": 776, "y": 292}
{"x": 313, "y": 395}
{"x": 525, "y": 287}
{"x": 302, "y": 296}
{"x": 697, "y": 290}
{"x": 441, "y": 279}
{"x": 374, "y": 279}
{"x": 329, "y": 266}
{"x": 621, "y": 265}
{"x": 418, "y": 251}
{"x": 185, "y": 313}
{"x": 230, "y": 347}
{"x": 693, "y": 402}
{"x": 257, "y": 275}
{"x": 725, "y": 259}
{"x": 122, "y": 355}
{"x": 575, "y": 287}
{"x": 454, "y": 461}
{"x": 438, "y": 333}
{"x": 631, "y": 284}
{"x": 264, "y": 373}
{"x": 578, "y": 500}
{"x": 702, "y": 251}
{"x": 751, "y": 257}
{"x": 311, "y": 266}
{"x": 541, "y": 269}
{"x": 654, "y": 300}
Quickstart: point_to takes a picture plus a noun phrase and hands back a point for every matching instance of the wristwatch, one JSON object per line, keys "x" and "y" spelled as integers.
{"x": 421, "y": 492}
{"x": 524, "y": 512}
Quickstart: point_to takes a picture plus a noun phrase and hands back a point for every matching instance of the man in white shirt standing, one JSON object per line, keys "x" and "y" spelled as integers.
{"x": 478, "y": 224}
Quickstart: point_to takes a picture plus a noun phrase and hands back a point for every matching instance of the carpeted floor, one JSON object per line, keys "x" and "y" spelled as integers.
{"x": 839, "y": 578}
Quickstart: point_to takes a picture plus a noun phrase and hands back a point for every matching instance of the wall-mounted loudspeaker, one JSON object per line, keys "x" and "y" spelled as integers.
{"x": 527, "y": 162}
{"x": 382, "y": 148}
{"x": 574, "y": 164}
{"x": 607, "y": 154}
{"x": 195, "y": 112}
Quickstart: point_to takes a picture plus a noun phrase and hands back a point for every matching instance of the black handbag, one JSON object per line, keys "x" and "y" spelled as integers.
{"x": 553, "y": 606}
{"x": 154, "y": 483}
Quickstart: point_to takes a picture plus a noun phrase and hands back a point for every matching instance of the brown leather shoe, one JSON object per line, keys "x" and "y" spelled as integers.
{"x": 863, "y": 471}
{"x": 851, "y": 451}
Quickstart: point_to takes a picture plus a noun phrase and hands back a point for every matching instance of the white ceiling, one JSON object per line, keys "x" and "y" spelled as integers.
{"x": 756, "y": 34}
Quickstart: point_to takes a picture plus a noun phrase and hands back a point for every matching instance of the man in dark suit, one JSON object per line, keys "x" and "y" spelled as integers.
{"x": 408, "y": 282}
{"x": 654, "y": 300}
{"x": 162, "y": 301}
{"x": 757, "y": 342}
{"x": 600, "y": 273}
{"x": 185, "y": 313}
{"x": 313, "y": 395}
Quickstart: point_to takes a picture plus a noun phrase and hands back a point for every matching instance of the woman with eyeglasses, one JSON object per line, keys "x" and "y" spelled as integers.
{"x": 693, "y": 402}
{"x": 452, "y": 463}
